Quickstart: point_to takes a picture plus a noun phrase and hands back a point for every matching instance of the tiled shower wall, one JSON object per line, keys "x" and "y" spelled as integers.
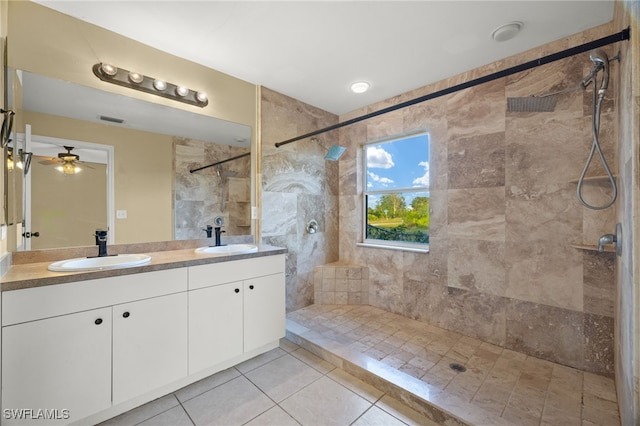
{"x": 200, "y": 197}
{"x": 298, "y": 185}
{"x": 627, "y": 332}
{"x": 501, "y": 265}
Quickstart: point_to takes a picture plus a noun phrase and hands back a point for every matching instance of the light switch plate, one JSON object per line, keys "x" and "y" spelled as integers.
{"x": 121, "y": 214}
{"x": 254, "y": 212}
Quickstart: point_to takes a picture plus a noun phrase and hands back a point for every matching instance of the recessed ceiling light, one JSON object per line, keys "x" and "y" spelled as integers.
{"x": 360, "y": 87}
{"x": 507, "y": 31}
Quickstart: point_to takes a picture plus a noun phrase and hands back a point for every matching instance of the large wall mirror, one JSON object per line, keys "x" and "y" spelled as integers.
{"x": 105, "y": 160}
{"x": 135, "y": 149}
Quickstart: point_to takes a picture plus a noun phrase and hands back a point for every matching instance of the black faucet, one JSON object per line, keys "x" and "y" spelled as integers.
{"x": 101, "y": 242}
{"x": 219, "y": 232}
{"x": 208, "y": 230}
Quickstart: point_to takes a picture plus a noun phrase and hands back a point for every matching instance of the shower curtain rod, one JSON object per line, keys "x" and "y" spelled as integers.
{"x": 613, "y": 38}
{"x": 220, "y": 162}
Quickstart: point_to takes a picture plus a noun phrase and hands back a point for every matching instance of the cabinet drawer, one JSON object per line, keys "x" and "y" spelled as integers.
{"x": 236, "y": 270}
{"x": 42, "y": 302}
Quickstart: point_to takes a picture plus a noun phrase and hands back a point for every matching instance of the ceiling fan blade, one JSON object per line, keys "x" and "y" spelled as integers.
{"x": 50, "y": 162}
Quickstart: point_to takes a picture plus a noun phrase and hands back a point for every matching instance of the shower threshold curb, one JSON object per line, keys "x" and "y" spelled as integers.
{"x": 436, "y": 404}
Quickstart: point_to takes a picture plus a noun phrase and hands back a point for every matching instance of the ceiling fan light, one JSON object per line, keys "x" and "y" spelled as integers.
{"x": 68, "y": 168}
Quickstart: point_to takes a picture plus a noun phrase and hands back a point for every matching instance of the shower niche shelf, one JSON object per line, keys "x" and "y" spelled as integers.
{"x": 594, "y": 179}
{"x": 590, "y": 247}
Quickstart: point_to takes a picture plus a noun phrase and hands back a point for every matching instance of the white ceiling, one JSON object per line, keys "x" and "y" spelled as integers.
{"x": 314, "y": 50}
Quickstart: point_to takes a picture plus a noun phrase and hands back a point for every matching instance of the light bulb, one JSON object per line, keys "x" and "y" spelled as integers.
{"x": 109, "y": 69}
{"x": 159, "y": 85}
{"x": 69, "y": 168}
{"x": 201, "y": 96}
{"x": 182, "y": 91}
{"x": 135, "y": 77}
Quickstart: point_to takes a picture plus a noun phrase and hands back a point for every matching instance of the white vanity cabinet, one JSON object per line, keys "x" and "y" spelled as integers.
{"x": 60, "y": 363}
{"x": 89, "y": 350}
{"x": 149, "y": 345}
{"x": 264, "y": 310}
{"x": 235, "y": 307}
{"x": 215, "y": 325}
{"x": 67, "y": 347}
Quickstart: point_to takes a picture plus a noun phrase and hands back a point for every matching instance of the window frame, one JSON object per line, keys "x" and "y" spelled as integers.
{"x": 387, "y": 244}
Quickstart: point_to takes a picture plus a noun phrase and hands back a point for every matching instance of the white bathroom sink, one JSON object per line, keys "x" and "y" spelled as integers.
{"x": 228, "y": 249}
{"x": 99, "y": 263}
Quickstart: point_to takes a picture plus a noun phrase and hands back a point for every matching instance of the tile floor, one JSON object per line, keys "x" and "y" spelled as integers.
{"x": 520, "y": 389}
{"x": 286, "y": 386}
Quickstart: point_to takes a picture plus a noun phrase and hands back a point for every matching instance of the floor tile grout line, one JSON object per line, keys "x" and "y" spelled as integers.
{"x": 289, "y": 396}
{"x": 186, "y": 412}
{"x": 175, "y": 393}
{"x": 162, "y": 412}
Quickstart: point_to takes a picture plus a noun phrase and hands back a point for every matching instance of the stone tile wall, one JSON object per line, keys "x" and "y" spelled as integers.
{"x": 501, "y": 265}
{"x": 341, "y": 284}
{"x": 200, "y": 197}
{"x": 625, "y": 302}
{"x": 298, "y": 185}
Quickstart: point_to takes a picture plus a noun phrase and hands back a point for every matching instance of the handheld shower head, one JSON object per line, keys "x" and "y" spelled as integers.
{"x": 601, "y": 62}
{"x": 598, "y": 56}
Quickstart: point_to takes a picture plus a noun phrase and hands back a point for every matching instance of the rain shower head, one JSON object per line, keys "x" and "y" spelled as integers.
{"x": 547, "y": 102}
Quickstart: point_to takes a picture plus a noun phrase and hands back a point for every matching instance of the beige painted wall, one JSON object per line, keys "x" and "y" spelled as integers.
{"x": 49, "y": 43}
{"x": 70, "y": 207}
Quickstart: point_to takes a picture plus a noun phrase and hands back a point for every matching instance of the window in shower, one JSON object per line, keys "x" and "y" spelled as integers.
{"x": 396, "y": 193}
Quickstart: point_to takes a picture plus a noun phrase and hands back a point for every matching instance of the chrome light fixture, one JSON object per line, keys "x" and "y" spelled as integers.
{"x": 144, "y": 83}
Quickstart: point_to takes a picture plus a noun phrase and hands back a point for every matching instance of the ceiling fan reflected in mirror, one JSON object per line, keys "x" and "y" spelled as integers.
{"x": 67, "y": 162}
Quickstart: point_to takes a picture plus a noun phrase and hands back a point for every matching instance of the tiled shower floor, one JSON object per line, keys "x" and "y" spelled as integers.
{"x": 411, "y": 361}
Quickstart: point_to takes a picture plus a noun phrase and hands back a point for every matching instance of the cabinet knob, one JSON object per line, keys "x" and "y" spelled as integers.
{"x": 98, "y": 321}
{"x": 126, "y": 315}
{"x": 251, "y": 287}
{"x": 237, "y": 290}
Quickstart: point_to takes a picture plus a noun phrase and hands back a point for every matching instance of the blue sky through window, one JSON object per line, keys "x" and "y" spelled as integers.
{"x": 401, "y": 163}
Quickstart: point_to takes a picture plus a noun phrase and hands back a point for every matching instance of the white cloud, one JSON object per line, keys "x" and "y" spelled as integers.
{"x": 383, "y": 180}
{"x": 424, "y": 179}
{"x": 379, "y": 158}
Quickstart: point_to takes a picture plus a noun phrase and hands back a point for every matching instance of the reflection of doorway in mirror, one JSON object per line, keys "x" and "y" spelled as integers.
{"x": 65, "y": 208}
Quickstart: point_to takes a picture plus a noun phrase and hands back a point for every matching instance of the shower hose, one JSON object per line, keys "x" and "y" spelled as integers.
{"x": 598, "y": 96}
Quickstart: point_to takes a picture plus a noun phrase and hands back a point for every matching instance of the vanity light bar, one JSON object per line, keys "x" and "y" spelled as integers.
{"x": 137, "y": 81}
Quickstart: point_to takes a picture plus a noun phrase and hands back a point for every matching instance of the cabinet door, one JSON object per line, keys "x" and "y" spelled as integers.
{"x": 264, "y": 311}
{"x": 215, "y": 325}
{"x": 60, "y": 363}
{"x": 149, "y": 345}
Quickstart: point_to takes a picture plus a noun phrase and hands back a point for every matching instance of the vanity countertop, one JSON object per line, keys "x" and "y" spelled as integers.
{"x": 36, "y": 274}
